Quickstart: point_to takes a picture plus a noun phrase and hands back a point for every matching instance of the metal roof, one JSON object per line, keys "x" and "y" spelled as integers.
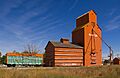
{"x": 117, "y": 58}
{"x": 86, "y": 14}
{"x": 60, "y": 44}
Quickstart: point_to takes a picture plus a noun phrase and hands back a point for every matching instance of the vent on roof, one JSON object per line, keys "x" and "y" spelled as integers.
{"x": 65, "y": 41}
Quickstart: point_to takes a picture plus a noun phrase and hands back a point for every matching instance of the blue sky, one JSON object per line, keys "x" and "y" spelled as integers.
{"x": 38, "y": 21}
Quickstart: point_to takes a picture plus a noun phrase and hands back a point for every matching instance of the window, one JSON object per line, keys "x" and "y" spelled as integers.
{"x": 93, "y": 58}
{"x": 93, "y": 61}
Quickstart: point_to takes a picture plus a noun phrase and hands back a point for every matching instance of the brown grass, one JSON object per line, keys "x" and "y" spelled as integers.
{"x": 62, "y": 72}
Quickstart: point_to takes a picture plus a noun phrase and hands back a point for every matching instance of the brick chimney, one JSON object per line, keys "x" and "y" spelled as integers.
{"x": 65, "y": 41}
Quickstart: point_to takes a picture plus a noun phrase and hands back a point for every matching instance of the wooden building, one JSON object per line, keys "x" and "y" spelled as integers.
{"x": 116, "y": 61}
{"x": 63, "y": 53}
{"x": 85, "y": 48}
{"x": 88, "y": 34}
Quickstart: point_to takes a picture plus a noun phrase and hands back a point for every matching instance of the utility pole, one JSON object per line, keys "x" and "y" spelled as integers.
{"x": 111, "y": 55}
{"x": 110, "y": 49}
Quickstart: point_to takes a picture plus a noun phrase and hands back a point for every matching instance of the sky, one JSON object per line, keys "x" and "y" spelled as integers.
{"x": 38, "y": 21}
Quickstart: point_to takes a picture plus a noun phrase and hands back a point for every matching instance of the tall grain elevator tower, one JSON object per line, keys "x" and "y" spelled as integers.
{"x": 88, "y": 34}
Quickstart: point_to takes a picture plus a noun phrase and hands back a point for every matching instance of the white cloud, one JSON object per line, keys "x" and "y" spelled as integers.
{"x": 73, "y": 5}
{"x": 113, "y": 23}
{"x": 115, "y": 19}
{"x": 112, "y": 26}
{"x": 112, "y": 11}
{"x": 5, "y": 9}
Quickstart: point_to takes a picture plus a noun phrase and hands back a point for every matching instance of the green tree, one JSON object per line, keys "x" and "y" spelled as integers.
{"x": 0, "y": 54}
{"x": 3, "y": 59}
{"x": 106, "y": 62}
{"x": 0, "y": 58}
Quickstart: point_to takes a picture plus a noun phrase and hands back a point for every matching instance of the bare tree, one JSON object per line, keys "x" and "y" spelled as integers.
{"x": 14, "y": 51}
{"x": 31, "y": 48}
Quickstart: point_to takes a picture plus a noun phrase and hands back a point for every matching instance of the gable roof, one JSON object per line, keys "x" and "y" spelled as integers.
{"x": 117, "y": 58}
{"x": 86, "y": 13}
{"x": 86, "y": 23}
{"x": 62, "y": 45}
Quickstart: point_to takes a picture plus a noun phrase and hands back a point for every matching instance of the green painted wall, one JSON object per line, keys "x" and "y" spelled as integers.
{"x": 31, "y": 60}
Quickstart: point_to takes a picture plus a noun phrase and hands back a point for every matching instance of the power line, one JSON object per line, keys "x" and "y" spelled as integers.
{"x": 111, "y": 51}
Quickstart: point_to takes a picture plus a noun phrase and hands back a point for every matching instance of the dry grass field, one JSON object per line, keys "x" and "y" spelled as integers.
{"x": 62, "y": 72}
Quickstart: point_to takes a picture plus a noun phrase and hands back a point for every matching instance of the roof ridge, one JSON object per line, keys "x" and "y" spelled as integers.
{"x": 70, "y": 45}
{"x": 85, "y": 14}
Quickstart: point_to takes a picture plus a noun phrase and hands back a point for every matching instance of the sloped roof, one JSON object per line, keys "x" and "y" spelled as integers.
{"x": 70, "y": 45}
{"x": 80, "y": 27}
{"x": 86, "y": 14}
{"x": 117, "y": 58}
{"x": 86, "y": 23}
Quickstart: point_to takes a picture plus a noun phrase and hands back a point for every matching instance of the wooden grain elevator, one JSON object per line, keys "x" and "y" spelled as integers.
{"x": 86, "y": 39}
{"x": 87, "y": 34}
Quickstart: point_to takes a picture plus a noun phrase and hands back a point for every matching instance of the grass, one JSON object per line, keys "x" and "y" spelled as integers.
{"x": 62, "y": 72}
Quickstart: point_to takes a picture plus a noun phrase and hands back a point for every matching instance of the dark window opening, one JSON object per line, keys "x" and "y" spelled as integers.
{"x": 93, "y": 62}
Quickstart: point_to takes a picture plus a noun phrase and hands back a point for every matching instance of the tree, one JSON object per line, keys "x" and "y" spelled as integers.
{"x": 0, "y": 58}
{"x": 3, "y": 59}
{"x": 106, "y": 62}
{"x": 31, "y": 48}
{"x": 0, "y": 54}
{"x": 14, "y": 51}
